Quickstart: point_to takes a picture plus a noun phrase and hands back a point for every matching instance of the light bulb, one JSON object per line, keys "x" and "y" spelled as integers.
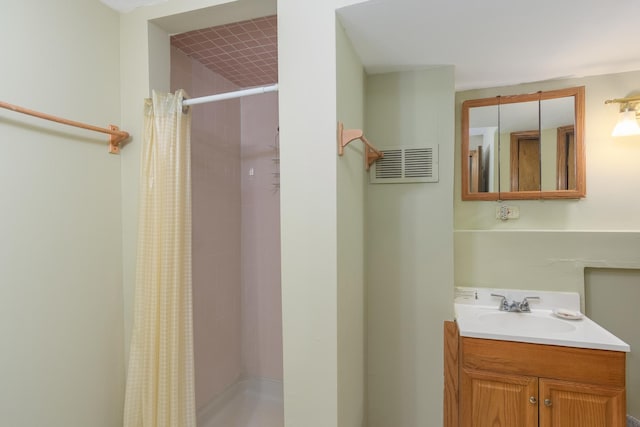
{"x": 627, "y": 125}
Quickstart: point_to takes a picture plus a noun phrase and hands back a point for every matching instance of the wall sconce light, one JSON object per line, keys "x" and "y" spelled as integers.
{"x": 629, "y": 112}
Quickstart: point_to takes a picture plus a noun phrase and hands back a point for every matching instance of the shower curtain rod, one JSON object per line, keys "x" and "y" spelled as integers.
{"x": 231, "y": 95}
{"x": 116, "y": 136}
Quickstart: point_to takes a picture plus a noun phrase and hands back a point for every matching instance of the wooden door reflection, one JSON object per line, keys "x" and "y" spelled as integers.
{"x": 525, "y": 161}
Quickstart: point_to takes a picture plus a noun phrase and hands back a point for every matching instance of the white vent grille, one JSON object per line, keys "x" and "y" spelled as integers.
{"x": 406, "y": 164}
{"x": 390, "y": 166}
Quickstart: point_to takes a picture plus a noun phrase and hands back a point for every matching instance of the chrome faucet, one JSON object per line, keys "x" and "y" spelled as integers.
{"x": 513, "y": 305}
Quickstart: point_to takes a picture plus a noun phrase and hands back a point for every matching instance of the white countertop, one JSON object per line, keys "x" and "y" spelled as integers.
{"x": 478, "y": 316}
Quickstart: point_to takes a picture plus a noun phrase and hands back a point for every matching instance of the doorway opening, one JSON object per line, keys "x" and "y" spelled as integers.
{"x": 237, "y": 311}
{"x": 566, "y": 158}
{"x": 525, "y": 161}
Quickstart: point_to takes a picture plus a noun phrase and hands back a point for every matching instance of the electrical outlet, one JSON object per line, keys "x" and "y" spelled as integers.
{"x": 507, "y": 212}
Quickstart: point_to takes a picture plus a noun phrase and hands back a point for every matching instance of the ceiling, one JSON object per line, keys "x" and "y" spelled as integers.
{"x": 128, "y": 5}
{"x": 490, "y": 42}
{"x": 496, "y": 42}
{"x": 245, "y": 53}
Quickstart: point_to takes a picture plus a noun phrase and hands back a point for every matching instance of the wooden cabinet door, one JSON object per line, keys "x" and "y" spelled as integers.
{"x": 498, "y": 400}
{"x": 569, "y": 404}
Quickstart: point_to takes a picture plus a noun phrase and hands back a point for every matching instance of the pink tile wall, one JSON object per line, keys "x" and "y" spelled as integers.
{"x": 261, "y": 296}
{"x": 215, "y": 144}
{"x": 236, "y": 232}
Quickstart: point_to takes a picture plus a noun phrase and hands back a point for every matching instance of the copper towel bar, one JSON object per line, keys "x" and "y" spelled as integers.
{"x": 116, "y": 136}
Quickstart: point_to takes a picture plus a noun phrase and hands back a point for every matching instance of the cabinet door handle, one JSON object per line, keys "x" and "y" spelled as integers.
{"x": 547, "y": 402}
{"x": 533, "y": 400}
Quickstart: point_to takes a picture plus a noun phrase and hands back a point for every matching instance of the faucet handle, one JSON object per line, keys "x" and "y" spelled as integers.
{"x": 524, "y": 305}
{"x": 504, "y": 304}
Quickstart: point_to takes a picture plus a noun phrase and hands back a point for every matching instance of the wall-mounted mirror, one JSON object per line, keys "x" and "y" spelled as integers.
{"x": 524, "y": 146}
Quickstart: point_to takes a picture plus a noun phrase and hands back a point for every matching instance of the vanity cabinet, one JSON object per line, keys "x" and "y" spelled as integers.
{"x": 514, "y": 384}
{"x": 492, "y": 399}
{"x": 566, "y": 403}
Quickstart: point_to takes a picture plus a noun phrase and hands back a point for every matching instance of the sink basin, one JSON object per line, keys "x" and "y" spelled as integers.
{"x": 524, "y": 323}
{"x": 478, "y": 316}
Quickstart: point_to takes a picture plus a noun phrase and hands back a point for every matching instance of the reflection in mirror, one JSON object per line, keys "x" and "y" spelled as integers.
{"x": 557, "y": 124}
{"x": 483, "y": 149}
{"x": 520, "y": 146}
{"x": 524, "y": 146}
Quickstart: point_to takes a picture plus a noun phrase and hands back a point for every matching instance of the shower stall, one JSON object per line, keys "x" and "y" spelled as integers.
{"x": 237, "y": 312}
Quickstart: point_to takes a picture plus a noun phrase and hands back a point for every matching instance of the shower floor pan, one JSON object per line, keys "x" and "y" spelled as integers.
{"x": 253, "y": 402}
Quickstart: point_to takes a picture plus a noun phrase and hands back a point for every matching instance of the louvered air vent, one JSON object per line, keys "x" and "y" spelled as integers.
{"x": 406, "y": 164}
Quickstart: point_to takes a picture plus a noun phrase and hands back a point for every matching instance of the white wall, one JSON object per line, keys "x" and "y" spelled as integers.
{"x": 310, "y": 211}
{"x": 351, "y": 191}
{"x": 410, "y": 251}
{"x": 552, "y": 242}
{"x": 62, "y": 354}
{"x": 612, "y": 297}
{"x": 611, "y": 171}
{"x": 307, "y": 74}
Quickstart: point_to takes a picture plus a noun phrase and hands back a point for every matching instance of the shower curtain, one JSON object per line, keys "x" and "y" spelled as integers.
{"x": 160, "y": 381}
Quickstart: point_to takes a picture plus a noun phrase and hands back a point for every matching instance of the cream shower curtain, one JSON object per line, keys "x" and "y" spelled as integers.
{"x": 160, "y": 382}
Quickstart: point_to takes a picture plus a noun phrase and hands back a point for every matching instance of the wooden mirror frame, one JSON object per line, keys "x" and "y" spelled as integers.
{"x": 580, "y": 190}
